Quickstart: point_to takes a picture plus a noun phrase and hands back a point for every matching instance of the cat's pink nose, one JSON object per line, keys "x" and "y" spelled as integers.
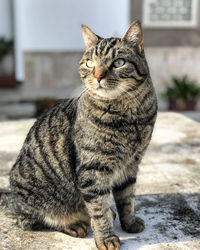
{"x": 99, "y": 73}
{"x": 98, "y": 77}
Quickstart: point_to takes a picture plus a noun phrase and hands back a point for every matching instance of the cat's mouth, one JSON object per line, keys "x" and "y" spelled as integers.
{"x": 100, "y": 86}
{"x": 102, "y": 90}
{"x": 103, "y": 85}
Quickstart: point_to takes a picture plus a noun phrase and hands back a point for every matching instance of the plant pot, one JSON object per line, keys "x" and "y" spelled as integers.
{"x": 174, "y": 104}
{"x": 7, "y": 82}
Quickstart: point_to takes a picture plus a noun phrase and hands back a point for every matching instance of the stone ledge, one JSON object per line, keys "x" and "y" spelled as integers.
{"x": 168, "y": 192}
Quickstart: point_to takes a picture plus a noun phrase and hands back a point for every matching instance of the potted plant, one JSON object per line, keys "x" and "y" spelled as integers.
{"x": 182, "y": 94}
{"x": 7, "y": 79}
{"x": 6, "y": 47}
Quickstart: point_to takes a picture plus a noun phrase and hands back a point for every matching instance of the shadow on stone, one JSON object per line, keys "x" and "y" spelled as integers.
{"x": 168, "y": 217}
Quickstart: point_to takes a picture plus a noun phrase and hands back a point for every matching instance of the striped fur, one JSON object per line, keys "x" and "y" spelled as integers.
{"x": 83, "y": 150}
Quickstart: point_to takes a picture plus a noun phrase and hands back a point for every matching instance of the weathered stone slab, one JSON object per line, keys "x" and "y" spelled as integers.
{"x": 168, "y": 192}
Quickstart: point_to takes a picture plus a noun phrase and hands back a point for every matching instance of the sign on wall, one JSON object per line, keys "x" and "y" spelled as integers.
{"x": 170, "y": 13}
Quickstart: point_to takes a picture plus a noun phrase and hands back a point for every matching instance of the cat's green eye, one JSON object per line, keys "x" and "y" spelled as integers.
{"x": 119, "y": 63}
{"x": 90, "y": 64}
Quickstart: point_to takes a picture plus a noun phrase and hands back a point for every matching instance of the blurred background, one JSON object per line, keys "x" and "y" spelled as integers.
{"x": 41, "y": 45}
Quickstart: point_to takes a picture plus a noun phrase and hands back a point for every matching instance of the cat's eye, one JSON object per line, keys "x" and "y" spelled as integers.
{"x": 90, "y": 64}
{"x": 119, "y": 63}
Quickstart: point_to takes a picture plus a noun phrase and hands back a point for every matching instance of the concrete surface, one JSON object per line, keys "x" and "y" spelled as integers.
{"x": 168, "y": 192}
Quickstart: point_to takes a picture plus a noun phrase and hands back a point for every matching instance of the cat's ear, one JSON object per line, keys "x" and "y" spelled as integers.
{"x": 89, "y": 37}
{"x": 134, "y": 35}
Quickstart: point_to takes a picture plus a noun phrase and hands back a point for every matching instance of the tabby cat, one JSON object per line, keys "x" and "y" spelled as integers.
{"x": 85, "y": 149}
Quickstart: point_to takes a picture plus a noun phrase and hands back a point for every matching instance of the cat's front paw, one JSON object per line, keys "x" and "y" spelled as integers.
{"x": 137, "y": 226}
{"x": 79, "y": 229}
{"x": 109, "y": 243}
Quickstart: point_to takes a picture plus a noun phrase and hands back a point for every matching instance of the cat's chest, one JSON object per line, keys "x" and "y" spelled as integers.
{"x": 111, "y": 136}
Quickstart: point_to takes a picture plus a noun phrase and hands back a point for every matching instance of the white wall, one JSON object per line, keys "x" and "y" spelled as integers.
{"x": 5, "y": 19}
{"x": 165, "y": 62}
{"x": 49, "y": 25}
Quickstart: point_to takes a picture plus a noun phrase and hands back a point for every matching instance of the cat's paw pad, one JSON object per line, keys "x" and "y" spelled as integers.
{"x": 79, "y": 229}
{"x": 109, "y": 243}
{"x": 137, "y": 226}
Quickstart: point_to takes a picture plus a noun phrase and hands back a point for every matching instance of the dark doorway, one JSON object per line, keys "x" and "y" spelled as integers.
{"x": 7, "y": 72}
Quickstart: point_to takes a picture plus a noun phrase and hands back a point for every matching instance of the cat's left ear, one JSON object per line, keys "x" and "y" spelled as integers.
{"x": 89, "y": 37}
{"x": 135, "y": 35}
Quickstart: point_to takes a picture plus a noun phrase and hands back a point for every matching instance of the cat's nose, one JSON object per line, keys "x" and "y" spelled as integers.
{"x": 98, "y": 77}
{"x": 99, "y": 74}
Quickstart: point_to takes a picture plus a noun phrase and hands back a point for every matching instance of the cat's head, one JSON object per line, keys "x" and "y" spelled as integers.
{"x": 112, "y": 66}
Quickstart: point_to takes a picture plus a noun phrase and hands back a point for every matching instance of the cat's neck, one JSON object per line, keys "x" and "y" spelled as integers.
{"x": 134, "y": 103}
{"x": 123, "y": 104}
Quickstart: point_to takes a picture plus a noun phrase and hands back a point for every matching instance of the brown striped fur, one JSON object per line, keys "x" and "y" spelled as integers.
{"x": 82, "y": 150}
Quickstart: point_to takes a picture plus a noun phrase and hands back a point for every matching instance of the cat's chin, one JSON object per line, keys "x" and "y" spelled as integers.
{"x": 107, "y": 93}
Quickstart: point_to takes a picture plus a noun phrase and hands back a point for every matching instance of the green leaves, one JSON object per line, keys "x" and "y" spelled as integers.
{"x": 183, "y": 89}
{"x": 5, "y": 47}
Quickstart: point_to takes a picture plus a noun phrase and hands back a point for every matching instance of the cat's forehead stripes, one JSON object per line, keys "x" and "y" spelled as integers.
{"x": 110, "y": 45}
{"x": 89, "y": 53}
{"x": 106, "y": 46}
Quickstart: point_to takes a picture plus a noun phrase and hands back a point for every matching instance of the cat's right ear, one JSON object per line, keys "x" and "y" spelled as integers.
{"x": 134, "y": 35}
{"x": 89, "y": 37}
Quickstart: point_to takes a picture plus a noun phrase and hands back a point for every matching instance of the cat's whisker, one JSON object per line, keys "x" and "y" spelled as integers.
{"x": 82, "y": 94}
{"x": 133, "y": 99}
{"x": 138, "y": 102}
{"x": 78, "y": 98}
{"x": 126, "y": 92}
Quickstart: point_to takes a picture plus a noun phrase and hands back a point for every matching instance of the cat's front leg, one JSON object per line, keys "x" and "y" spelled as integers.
{"x": 124, "y": 195}
{"x": 95, "y": 189}
{"x": 102, "y": 223}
